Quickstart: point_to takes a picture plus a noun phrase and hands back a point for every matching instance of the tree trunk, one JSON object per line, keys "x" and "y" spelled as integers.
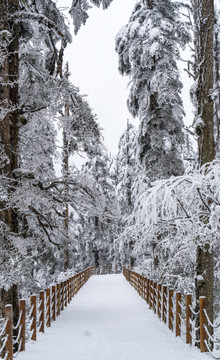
{"x": 66, "y": 210}
{"x": 66, "y": 174}
{"x": 4, "y": 91}
{"x": 9, "y": 128}
{"x": 204, "y": 41}
{"x": 205, "y": 58}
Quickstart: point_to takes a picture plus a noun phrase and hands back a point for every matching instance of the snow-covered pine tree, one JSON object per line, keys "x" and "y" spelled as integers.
{"x": 148, "y": 49}
{"x": 100, "y": 228}
{"x": 79, "y": 10}
{"x": 125, "y": 169}
{"x": 48, "y": 197}
{"x": 81, "y": 133}
{"x": 33, "y": 198}
{"x": 126, "y": 184}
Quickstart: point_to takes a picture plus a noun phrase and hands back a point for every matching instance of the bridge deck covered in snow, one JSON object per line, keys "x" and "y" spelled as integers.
{"x": 107, "y": 320}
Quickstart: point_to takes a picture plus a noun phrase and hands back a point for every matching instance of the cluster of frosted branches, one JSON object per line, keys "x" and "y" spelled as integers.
{"x": 183, "y": 200}
{"x": 174, "y": 216}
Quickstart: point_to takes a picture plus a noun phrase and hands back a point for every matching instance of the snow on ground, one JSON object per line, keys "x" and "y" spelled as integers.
{"x": 108, "y": 320}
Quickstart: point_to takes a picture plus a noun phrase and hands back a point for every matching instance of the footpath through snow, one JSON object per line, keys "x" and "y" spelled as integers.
{"x": 107, "y": 320}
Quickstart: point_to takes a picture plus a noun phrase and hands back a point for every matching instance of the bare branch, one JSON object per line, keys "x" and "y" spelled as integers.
{"x": 25, "y": 15}
{"x": 203, "y": 201}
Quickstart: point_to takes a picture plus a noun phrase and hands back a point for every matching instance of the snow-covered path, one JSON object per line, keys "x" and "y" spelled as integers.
{"x": 107, "y": 320}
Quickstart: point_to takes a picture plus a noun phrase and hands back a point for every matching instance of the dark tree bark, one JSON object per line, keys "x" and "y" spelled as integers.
{"x": 4, "y": 88}
{"x": 9, "y": 127}
{"x": 66, "y": 210}
{"x": 66, "y": 174}
{"x": 204, "y": 41}
{"x": 205, "y": 18}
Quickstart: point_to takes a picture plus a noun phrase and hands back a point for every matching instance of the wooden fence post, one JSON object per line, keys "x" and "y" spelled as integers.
{"x": 142, "y": 286}
{"x": 164, "y": 307}
{"x": 188, "y": 319}
{"x": 9, "y": 331}
{"x": 48, "y": 323}
{"x": 136, "y": 282}
{"x": 178, "y": 313}
{"x": 145, "y": 289}
{"x": 64, "y": 293}
{"x": 76, "y": 284}
{"x": 155, "y": 297}
{"x": 53, "y": 302}
{"x": 203, "y": 323}
{"x": 83, "y": 279}
{"x": 58, "y": 299}
{"x": 22, "y": 324}
{"x": 159, "y": 300}
{"x": 148, "y": 291}
{"x": 80, "y": 280}
{"x": 62, "y": 296}
{"x": 170, "y": 309}
{"x": 72, "y": 287}
{"x": 41, "y": 317}
{"x": 139, "y": 284}
{"x": 34, "y": 317}
{"x": 69, "y": 290}
{"x": 152, "y": 295}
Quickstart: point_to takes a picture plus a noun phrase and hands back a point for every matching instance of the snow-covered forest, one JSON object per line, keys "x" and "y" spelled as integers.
{"x": 156, "y": 205}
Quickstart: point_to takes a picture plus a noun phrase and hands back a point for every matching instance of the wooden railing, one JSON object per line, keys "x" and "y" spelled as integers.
{"x": 44, "y": 309}
{"x": 174, "y": 310}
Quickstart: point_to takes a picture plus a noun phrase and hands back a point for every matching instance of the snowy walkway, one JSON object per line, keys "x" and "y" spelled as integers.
{"x": 107, "y": 320}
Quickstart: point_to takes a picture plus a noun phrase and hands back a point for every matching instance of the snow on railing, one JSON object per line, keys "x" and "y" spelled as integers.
{"x": 180, "y": 313}
{"x": 50, "y": 303}
{"x": 210, "y": 339}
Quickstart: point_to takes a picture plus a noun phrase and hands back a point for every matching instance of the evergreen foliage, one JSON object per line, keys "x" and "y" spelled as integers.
{"x": 100, "y": 227}
{"x": 79, "y": 11}
{"x": 148, "y": 48}
{"x": 33, "y": 249}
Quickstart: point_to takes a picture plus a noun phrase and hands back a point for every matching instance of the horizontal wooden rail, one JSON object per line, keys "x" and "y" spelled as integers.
{"x": 160, "y": 299}
{"x": 50, "y": 302}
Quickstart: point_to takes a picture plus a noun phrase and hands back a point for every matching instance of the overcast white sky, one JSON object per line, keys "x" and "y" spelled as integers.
{"x": 93, "y": 65}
